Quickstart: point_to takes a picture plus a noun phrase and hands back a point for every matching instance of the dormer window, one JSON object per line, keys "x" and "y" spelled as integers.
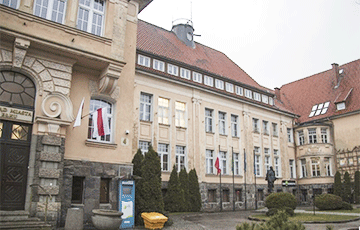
{"x": 197, "y": 77}
{"x": 248, "y": 93}
{"x": 229, "y": 87}
{"x": 265, "y": 99}
{"x": 142, "y": 60}
{"x": 159, "y": 65}
{"x": 185, "y": 73}
{"x": 173, "y": 70}
{"x": 239, "y": 90}
{"x": 257, "y": 96}
{"x": 208, "y": 81}
{"x": 340, "y": 106}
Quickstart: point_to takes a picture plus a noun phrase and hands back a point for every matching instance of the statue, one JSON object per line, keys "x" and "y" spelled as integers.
{"x": 270, "y": 177}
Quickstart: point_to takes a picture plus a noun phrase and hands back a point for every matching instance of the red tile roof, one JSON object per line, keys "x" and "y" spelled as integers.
{"x": 300, "y": 96}
{"x": 163, "y": 43}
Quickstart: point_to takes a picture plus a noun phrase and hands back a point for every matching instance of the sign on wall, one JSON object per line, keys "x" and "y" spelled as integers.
{"x": 14, "y": 114}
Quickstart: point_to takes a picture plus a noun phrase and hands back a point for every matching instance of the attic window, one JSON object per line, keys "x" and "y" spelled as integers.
{"x": 340, "y": 106}
{"x": 319, "y": 109}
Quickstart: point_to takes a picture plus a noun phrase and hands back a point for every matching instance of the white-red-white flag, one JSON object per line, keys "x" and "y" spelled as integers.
{"x": 218, "y": 164}
{"x": 100, "y": 123}
{"x": 78, "y": 117}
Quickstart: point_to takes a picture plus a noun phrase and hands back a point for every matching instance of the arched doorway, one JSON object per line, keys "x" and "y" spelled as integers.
{"x": 17, "y": 97}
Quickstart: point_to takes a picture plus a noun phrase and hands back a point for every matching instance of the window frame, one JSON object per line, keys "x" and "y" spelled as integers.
{"x": 197, "y": 77}
{"x": 81, "y": 188}
{"x": 248, "y": 94}
{"x": 324, "y": 135}
{"x": 180, "y": 115}
{"x": 229, "y": 87}
{"x": 17, "y": 4}
{"x": 143, "y": 114}
{"x": 158, "y": 65}
{"x": 292, "y": 168}
{"x": 265, "y": 99}
{"x": 180, "y": 153}
{"x": 223, "y": 158}
{"x": 257, "y": 162}
{"x": 290, "y": 135}
{"x": 257, "y": 96}
{"x": 303, "y": 168}
{"x": 163, "y": 111}
{"x": 236, "y": 164}
{"x": 209, "y": 161}
{"x": 50, "y": 10}
{"x": 185, "y": 73}
{"x": 255, "y": 122}
{"x": 209, "y": 121}
{"x": 301, "y": 137}
{"x": 110, "y": 115}
{"x": 164, "y": 150}
{"x": 275, "y": 130}
{"x": 239, "y": 90}
{"x": 222, "y": 116}
{"x": 312, "y": 136}
{"x": 315, "y": 167}
{"x": 144, "y": 60}
{"x": 234, "y": 125}
{"x": 277, "y": 163}
{"x": 92, "y": 11}
{"x": 172, "y": 69}
{"x": 144, "y": 146}
{"x": 265, "y": 127}
{"x": 209, "y": 81}
{"x": 219, "y": 84}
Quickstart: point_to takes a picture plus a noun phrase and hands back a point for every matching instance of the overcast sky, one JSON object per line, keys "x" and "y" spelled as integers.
{"x": 275, "y": 42}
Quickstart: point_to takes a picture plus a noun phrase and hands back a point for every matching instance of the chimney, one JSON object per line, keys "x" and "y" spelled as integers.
{"x": 277, "y": 93}
{"x": 335, "y": 68}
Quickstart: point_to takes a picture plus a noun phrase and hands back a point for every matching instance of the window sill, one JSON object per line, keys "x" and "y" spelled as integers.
{"x": 223, "y": 135}
{"x": 209, "y": 132}
{"x": 181, "y": 127}
{"x": 163, "y": 124}
{"x": 235, "y": 137}
{"x": 100, "y": 145}
{"x": 256, "y": 131}
{"x": 144, "y": 121}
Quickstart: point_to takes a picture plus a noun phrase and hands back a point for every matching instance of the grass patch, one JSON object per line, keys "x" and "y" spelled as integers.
{"x": 304, "y": 217}
{"x": 355, "y": 210}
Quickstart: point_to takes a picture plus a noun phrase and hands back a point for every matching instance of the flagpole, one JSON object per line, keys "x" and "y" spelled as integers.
{"x": 220, "y": 184}
{"x": 255, "y": 182}
{"x": 233, "y": 169}
{"x": 245, "y": 178}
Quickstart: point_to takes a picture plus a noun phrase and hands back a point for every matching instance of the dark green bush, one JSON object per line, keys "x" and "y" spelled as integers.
{"x": 194, "y": 192}
{"x": 346, "y": 206}
{"x": 280, "y": 200}
{"x": 328, "y": 202}
{"x": 272, "y": 211}
{"x": 357, "y": 187}
{"x": 289, "y": 211}
{"x": 346, "y": 194}
{"x": 337, "y": 184}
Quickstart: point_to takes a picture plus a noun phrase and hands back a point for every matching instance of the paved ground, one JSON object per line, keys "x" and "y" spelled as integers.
{"x": 229, "y": 220}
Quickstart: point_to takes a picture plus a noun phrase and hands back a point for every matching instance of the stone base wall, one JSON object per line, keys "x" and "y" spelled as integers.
{"x": 92, "y": 172}
{"x": 305, "y": 193}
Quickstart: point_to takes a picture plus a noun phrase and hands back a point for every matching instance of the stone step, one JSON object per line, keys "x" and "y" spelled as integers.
{"x": 33, "y": 225}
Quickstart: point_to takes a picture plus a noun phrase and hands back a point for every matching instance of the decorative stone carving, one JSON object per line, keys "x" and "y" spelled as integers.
{"x": 57, "y": 105}
{"x": 196, "y": 101}
{"x": 108, "y": 79}
{"x": 20, "y": 49}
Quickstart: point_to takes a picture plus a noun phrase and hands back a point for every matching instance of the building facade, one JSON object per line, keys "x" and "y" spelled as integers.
{"x": 54, "y": 54}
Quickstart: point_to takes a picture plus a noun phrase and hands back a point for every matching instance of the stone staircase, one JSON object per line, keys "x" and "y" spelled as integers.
{"x": 21, "y": 220}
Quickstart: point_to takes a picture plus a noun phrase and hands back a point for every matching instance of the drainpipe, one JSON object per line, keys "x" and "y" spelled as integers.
{"x": 296, "y": 163}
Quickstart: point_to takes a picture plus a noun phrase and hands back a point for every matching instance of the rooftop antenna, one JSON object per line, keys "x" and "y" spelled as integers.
{"x": 191, "y": 10}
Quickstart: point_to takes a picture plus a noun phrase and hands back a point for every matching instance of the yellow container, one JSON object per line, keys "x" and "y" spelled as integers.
{"x": 154, "y": 220}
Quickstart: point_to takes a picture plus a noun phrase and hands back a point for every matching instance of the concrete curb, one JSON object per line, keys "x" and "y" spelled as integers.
{"x": 313, "y": 222}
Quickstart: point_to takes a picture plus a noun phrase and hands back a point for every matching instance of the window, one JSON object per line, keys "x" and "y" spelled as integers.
{"x": 226, "y": 195}
{"x": 292, "y": 168}
{"x": 180, "y": 112}
{"x": 104, "y": 190}
{"x": 180, "y": 155}
{"x": 342, "y": 161}
{"x": 238, "y": 195}
{"x": 315, "y": 166}
{"x": 239, "y": 90}
{"x": 229, "y": 87}
{"x": 267, "y": 159}
{"x": 219, "y": 84}
{"x": 142, "y": 60}
{"x": 277, "y": 163}
{"x": 324, "y": 138}
{"x": 257, "y": 96}
{"x": 312, "y": 136}
{"x": 209, "y": 161}
{"x": 236, "y": 163}
{"x": 212, "y": 195}
{"x": 106, "y": 107}
{"x": 234, "y": 125}
{"x": 275, "y": 129}
{"x": 208, "y": 120}
{"x": 158, "y": 65}
{"x": 208, "y": 81}
{"x": 265, "y": 99}
{"x": 256, "y": 125}
{"x": 173, "y": 69}
{"x": 257, "y": 161}
{"x": 222, "y": 123}
{"x": 290, "y": 135}
{"x": 327, "y": 163}
{"x": 223, "y": 158}
{"x": 248, "y": 93}
{"x": 319, "y": 109}
{"x": 303, "y": 168}
{"x": 53, "y": 10}
{"x": 185, "y": 73}
{"x": 163, "y": 112}
{"x": 260, "y": 194}
{"x": 163, "y": 151}
{"x": 10, "y": 3}
{"x": 145, "y": 106}
{"x": 340, "y": 106}
{"x": 266, "y": 127}
{"x": 197, "y": 77}
{"x": 144, "y": 146}
{"x": 77, "y": 192}
{"x": 91, "y": 16}
{"x": 271, "y": 101}
{"x": 301, "y": 137}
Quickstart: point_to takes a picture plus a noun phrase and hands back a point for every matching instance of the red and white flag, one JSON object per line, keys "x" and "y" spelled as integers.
{"x": 218, "y": 164}
{"x": 100, "y": 123}
{"x": 78, "y": 117}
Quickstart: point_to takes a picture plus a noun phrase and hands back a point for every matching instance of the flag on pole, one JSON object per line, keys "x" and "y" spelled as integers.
{"x": 218, "y": 163}
{"x": 78, "y": 117}
{"x": 100, "y": 123}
